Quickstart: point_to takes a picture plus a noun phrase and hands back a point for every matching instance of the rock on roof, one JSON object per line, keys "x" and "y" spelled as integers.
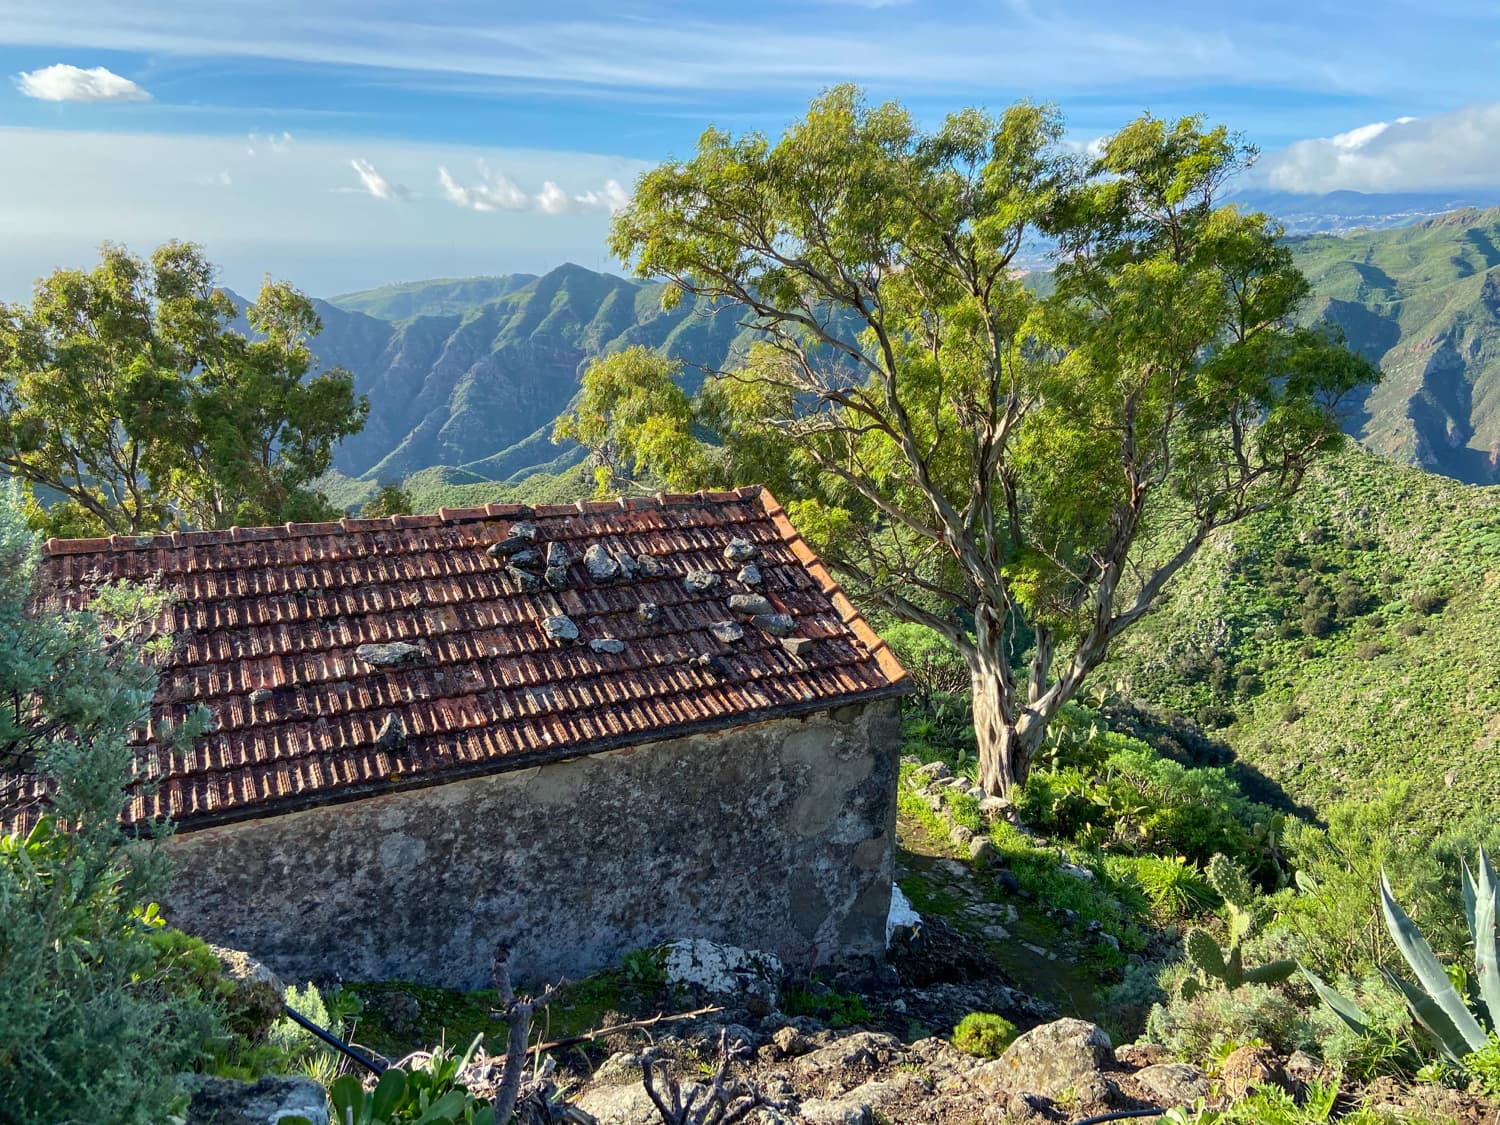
{"x": 339, "y": 660}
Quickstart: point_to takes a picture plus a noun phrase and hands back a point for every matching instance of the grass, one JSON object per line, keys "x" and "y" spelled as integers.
{"x": 1399, "y": 682}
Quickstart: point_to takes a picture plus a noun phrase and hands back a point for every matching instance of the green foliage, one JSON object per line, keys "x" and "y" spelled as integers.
{"x": 1199, "y": 1025}
{"x": 128, "y": 404}
{"x": 983, "y": 1035}
{"x": 301, "y": 1050}
{"x": 835, "y": 1008}
{"x": 1271, "y": 1105}
{"x": 389, "y": 500}
{"x": 94, "y": 1024}
{"x": 1483, "y": 1066}
{"x": 971, "y": 456}
{"x": 645, "y": 969}
{"x": 429, "y": 1095}
{"x": 1439, "y": 999}
{"x": 937, "y": 668}
{"x": 1223, "y": 965}
{"x": 1325, "y": 725}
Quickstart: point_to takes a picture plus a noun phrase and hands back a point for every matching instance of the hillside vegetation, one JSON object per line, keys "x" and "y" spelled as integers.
{"x": 1345, "y": 642}
{"x": 1423, "y": 302}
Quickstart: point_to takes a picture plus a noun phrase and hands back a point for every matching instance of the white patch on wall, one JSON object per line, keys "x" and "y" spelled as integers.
{"x": 903, "y": 915}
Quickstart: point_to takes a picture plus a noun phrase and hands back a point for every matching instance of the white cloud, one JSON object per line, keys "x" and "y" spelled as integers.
{"x": 280, "y": 143}
{"x": 375, "y": 184}
{"x": 64, "y": 83}
{"x": 495, "y": 191}
{"x": 216, "y": 179}
{"x": 1447, "y": 151}
{"x": 498, "y": 192}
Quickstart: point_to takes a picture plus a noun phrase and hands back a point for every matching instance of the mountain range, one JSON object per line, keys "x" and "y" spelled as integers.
{"x": 465, "y": 376}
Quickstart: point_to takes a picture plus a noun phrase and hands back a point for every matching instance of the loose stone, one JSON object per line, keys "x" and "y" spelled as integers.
{"x": 607, "y": 644}
{"x": 798, "y": 646}
{"x": 261, "y": 695}
{"x": 740, "y": 551}
{"x": 392, "y": 734}
{"x": 529, "y": 557}
{"x": 701, "y": 581}
{"x": 647, "y": 613}
{"x": 649, "y": 566}
{"x": 601, "y": 567}
{"x": 525, "y": 529}
{"x": 749, "y": 575}
{"x": 389, "y": 655}
{"x": 750, "y": 603}
{"x": 726, "y": 631}
{"x": 557, "y": 577}
{"x": 777, "y": 624}
{"x": 560, "y": 628}
{"x": 557, "y": 555}
{"x": 507, "y": 547}
{"x": 528, "y": 582}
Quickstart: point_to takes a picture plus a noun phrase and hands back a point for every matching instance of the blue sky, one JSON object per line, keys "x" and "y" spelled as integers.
{"x": 344, "y": 144}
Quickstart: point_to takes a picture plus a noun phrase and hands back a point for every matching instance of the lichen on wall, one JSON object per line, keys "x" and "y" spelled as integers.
{"x": 776, "y": 836}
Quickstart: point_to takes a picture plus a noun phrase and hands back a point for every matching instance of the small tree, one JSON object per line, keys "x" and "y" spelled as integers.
{"x": 1022, "y": 474}
{"x": 130, "y": 403}
{"x": 89, "y": 1029}
{"x": 389, "y": 500}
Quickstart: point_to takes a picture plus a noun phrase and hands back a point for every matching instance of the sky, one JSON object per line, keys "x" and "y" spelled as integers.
{"x": 342, "y": 144}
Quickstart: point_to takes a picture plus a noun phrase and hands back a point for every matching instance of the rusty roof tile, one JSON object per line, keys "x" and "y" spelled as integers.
{"x": 282, "y": 610}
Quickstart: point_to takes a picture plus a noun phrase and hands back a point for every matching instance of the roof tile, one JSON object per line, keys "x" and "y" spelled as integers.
{"x": 284, "y": 608}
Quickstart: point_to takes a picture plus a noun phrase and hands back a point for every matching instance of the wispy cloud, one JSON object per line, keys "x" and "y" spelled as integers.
{"x": 280, "y": 142}
{"x": 498, "y": 192}
{"x": 373, "y": 183}
{"x": 1442, "y": 152}
{"x": 64, "y": 83}
{"x": 494, "y": 192}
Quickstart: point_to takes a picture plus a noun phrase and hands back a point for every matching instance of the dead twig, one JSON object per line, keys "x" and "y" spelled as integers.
{"x": 631, "y": 1025}
{"x": 517, "y": 1012}
{"x": 722, "y": 1103}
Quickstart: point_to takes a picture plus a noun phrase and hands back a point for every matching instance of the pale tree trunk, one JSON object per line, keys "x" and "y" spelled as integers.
{"x": 1007, "y": 731}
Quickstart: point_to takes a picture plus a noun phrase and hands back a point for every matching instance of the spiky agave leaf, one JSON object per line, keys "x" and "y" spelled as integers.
{"x": 1347, "y": 1010}
{"x": 1486, "y": 954}
{"x": 1429, "y": 971}
{"x": 1430, "y": 1015}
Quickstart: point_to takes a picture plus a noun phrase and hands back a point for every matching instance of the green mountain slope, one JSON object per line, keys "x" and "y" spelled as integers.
{"x": 439, "y": 297}
{"x": 1424, "y": 302}
{"x": 1344, "y": 642}
{"x": 477, "y": 389}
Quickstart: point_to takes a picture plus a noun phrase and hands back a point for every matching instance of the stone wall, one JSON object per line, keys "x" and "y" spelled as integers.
{"x": 776, "y": 836}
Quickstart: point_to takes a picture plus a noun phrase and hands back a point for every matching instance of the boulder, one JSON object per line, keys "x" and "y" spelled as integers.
{"x": 1173, "y": 1083}
{"x": 626, "y": 1104}
{"x": 836, "y": 1111}
{"x": 747, "y": 976}
{"x": 1065, "y": 1054}
{"x": 932, "y": 771}
{"x": 224, "y": 1101}
{"x": 850, "y": 1056}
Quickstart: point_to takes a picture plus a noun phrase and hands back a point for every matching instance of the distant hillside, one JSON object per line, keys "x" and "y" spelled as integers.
{"x": 476, "y": 389}
{"x": 467, "y": 375}
{"x": 1347, "y": 641}
{"x": 1424, "y": 302}
{"x": 441, "y": 297}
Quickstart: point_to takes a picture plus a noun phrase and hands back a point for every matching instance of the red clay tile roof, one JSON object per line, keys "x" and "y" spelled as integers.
{"x": 266, "y": 623}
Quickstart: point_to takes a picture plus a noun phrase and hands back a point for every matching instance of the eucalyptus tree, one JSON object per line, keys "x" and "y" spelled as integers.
{"x": 1022, "y": 473}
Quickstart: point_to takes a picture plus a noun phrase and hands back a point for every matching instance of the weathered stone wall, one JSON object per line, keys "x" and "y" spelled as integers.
{"x": 777, "y": 836}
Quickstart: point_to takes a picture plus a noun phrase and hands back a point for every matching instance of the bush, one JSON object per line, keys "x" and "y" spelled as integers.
{"x": 1428, "y": 601}
{"x": 1197, "y": 1029}
{"x": 983, "y": 1035}
{"x": 93, "y": 1025}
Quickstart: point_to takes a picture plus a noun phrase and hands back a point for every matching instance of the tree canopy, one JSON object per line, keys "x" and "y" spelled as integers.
{"x": 129, "y": 402}
{"x": 1021, "y": 473}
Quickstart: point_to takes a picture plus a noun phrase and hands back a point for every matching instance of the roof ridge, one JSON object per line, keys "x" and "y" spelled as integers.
{"x": 162, "y": 540}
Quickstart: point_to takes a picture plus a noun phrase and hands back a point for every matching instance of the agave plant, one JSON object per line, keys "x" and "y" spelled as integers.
{"x": 1434, "y": 1001}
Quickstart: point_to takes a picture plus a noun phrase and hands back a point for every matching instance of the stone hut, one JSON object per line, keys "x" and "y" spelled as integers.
{"x": 577, "y": 730}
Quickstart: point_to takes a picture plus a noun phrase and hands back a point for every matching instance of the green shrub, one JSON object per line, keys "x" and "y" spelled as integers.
{"x": 984, "y": 1035}
{"x": 91, "y": 1026}
{"x": 836, "y": 1009}
{"x": 1195, "y": 1027}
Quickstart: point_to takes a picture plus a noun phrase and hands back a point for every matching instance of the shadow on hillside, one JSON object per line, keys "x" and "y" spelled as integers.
{"x": 1185, "y": 742}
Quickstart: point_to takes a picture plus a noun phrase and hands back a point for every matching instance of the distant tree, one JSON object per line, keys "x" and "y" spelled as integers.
{"x": 128, "y": 402}
{"x": 389, "y": 500}
{"x": 1021, "y": 474}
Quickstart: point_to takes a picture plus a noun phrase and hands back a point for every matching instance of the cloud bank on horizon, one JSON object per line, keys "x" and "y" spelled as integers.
{"x": 434, "y": 140}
